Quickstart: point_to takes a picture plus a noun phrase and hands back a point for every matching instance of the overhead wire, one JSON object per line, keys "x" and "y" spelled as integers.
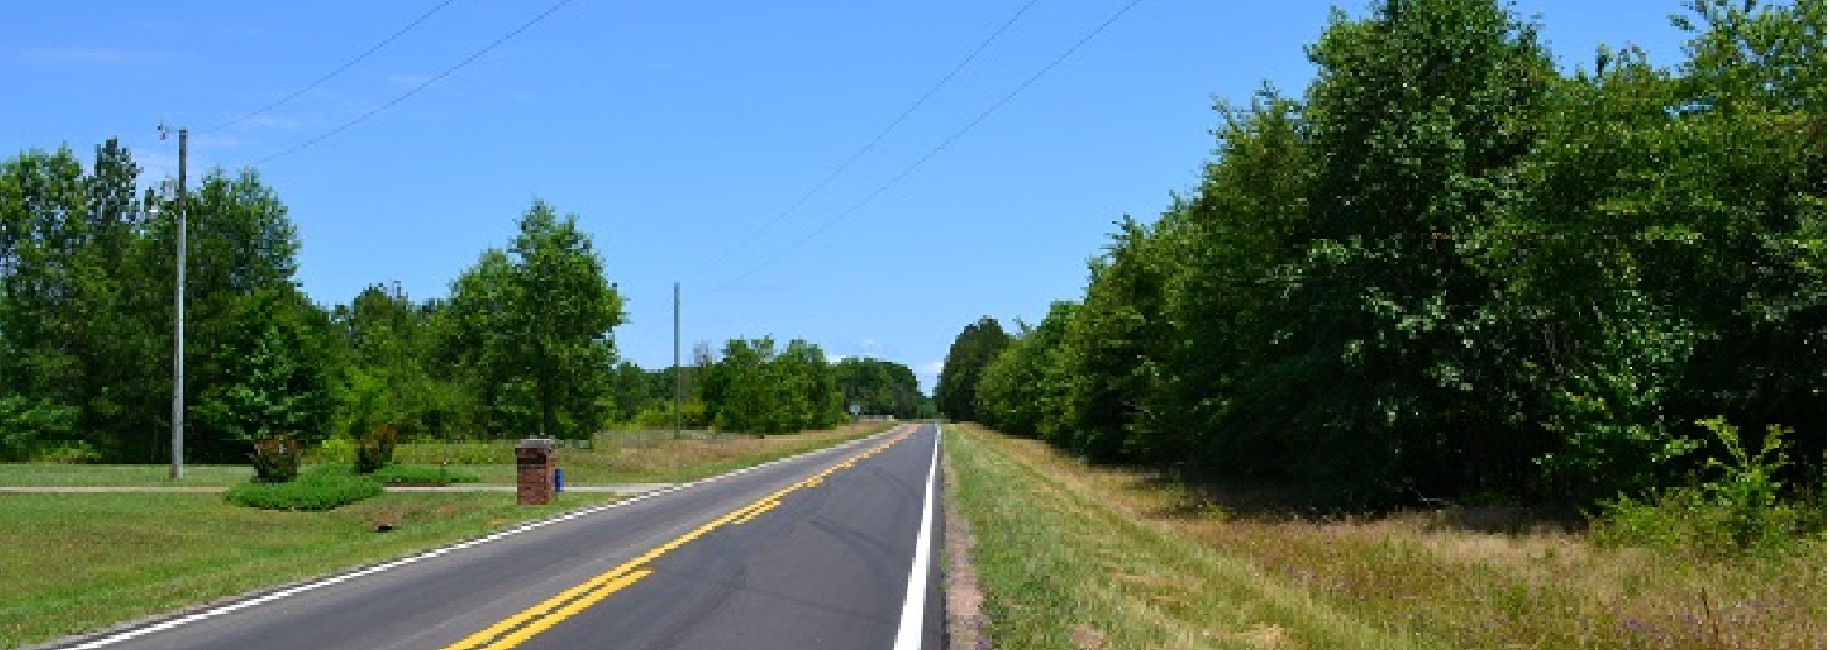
{"x": 333, "y": 73}
{"x": 936, "y": 150}
{"x": 872, "y": 144}
{"x": 486, "y": 49}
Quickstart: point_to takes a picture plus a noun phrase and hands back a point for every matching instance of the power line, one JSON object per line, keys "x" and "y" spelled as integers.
{"x": 339, "y": 70}
{"x": 943, "y": 145}
{"x": 422, "y": 85}
{"x": 872, "y": 144}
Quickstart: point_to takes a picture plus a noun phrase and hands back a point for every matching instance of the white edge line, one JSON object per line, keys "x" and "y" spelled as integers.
{"x": 908, "y": 631}
{"x": 166, "y": 624}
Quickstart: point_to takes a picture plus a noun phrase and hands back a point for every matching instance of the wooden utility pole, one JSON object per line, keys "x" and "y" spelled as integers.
{"x": 679, "y": 374}
{"x": 178, "y": 316}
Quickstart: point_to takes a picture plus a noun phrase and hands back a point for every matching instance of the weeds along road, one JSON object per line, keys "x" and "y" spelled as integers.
{"x": 816, "y": 551}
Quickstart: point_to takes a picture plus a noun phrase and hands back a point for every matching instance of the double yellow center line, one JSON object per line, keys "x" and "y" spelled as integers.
{"x": 517, "y": 629}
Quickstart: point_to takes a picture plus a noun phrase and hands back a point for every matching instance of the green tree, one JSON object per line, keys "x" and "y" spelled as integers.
{"x": 274, "y": 379}
{"x": 1422, "y": 110}
{"x": 878, "y": 387}
{"x": 391, "y": 343}
{"x": 532, "y": 327}
{"x": 1675, "y": 271}
{"x": 755, "y": 387}
{"x": 1235, "y": 237}
{"x": 1113, "y": 348}
{"x": 958, "y": 385}
{"x": 1023, "y": 388}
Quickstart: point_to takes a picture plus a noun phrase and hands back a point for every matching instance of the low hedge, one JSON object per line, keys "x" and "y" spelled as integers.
{"x": 321, "y": 488}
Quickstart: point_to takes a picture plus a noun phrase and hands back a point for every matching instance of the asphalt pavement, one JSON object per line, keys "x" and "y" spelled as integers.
{"x": 817, "y": 551}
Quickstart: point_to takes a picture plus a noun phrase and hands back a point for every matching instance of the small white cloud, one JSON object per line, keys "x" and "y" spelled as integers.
{"x": 869, "y": 343}
{"x": 931, "y": 367}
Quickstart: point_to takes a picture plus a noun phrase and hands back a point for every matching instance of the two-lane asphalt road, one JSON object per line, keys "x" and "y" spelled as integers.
{"x": 818, "y": 551}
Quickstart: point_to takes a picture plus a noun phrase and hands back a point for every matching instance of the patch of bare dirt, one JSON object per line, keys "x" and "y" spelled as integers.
{"x": 1087, "y": 638}
{"x": 967, "y": 626}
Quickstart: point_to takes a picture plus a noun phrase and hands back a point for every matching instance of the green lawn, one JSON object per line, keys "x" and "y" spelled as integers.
{"x": 76, "y": 563}
{"x": 82, "y": 562}
{"x": 59, "y": 474}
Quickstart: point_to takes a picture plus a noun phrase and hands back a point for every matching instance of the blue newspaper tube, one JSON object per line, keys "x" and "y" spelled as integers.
{"x": 559, "y": 479}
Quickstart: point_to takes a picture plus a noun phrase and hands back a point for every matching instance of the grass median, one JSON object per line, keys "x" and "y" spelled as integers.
{"x": 82, "y": 562}
{"x": 1072, "y": 556}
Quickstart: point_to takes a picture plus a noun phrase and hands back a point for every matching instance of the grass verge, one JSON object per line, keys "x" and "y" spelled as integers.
{"x": 1073, "y": 556}
{"x": 82, "y": 562}
{"x": 79, "y": 563}
{"x": 666, "y": 461}
{"x": 79, "y": 475}
{"x": 1062, "y": 568}
{"x": 651, "y": 462}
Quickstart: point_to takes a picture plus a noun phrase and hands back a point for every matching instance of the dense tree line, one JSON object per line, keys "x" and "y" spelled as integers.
{"x": 878, "y": 387}
{"x": 522, "y": 346}
{"x": 1450, "y": 269}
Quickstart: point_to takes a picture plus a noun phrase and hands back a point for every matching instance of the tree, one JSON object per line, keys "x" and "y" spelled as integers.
{"x": 1421, "y": 111}
{"x": 1113, "y": 349}
{"x": 86, "y": 274}
{"x": 754, "y": 387}
{"x": 532, "y": 325}
{"x": 974, "y": 348}
{"x": 274, "y": 378}
{"x": 1675, "y": 271}
{"x": 392, "y": 376}
{"x": 1023, "y": 388}
{"x": 878, "y": 387}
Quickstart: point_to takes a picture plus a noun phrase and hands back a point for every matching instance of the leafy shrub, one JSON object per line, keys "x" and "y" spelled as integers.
{"x": 375, "y": 450}
{"x": 420, "y": 474}
{"x": 67, "y": 451}
{"x": 322, "y": 488}
{"x": 26, "y": 422}
{"x": 1741, "y": 511}
{"x": 276, "y": 458}
{"x": 336, "y": 449}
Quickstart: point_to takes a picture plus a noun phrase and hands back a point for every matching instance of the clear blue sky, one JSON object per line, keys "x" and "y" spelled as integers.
{"x": 676, "y": 130}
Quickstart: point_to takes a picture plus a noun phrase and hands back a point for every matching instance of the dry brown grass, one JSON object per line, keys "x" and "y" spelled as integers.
{"x": 648, "y": 460}
{"x": 672, "y": 456}
{"x": 1434, "y": 574}
{"x": 1061, "y": 567}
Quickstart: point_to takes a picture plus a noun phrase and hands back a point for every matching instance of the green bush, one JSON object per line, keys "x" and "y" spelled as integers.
{"x": 277, "y": 458}
{"x": 376, "y": 449}
{"x": 321, "y": 488}
{"x": 67, "y": 451}
{"x": 420, "y": 474}
{"x": 336, "y": 449}
{"x": 1740, "y": 512}
{"x": 26, "y": 423}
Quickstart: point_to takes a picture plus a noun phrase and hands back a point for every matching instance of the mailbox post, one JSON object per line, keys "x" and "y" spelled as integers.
{"x": 534, "y": 472}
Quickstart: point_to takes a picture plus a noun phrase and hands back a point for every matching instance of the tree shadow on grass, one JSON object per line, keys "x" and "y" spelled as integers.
{"x": 1318, "y": 503}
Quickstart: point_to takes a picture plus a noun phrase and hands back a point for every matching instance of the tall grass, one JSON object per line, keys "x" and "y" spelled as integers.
{"x": 621, "y": 456}
{"x": 1428, "y": 576}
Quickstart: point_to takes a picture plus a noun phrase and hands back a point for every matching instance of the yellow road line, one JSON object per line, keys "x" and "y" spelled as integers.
{"x": 517, "y": 629}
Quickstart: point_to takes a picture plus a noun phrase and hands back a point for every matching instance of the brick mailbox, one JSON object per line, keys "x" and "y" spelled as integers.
{"x": 534, "y": 472}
